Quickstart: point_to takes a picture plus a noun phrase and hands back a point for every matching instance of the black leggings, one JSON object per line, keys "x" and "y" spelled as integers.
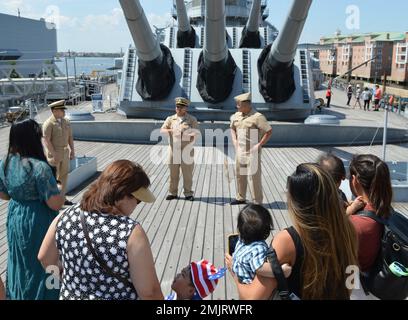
{"x": 349, "y": 99}
{"x": 367, "y": 104}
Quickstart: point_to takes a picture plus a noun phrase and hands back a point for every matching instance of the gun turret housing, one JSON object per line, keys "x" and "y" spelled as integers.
{"x": 219, "y": 49}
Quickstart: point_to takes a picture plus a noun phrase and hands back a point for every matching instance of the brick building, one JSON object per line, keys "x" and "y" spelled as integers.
{"x": 349, "y": 51}
{"x": 399, "y": 70}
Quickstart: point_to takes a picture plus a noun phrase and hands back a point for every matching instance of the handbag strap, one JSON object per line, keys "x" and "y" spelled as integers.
{"x": 283, "y": 288}
{"x": 373, "y": 216}
{"x": 100, "y": 261}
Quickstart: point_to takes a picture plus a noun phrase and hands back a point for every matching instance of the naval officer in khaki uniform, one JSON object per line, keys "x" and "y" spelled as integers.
{"x": 59, "y": 143}
{"x": 182, "y": 129}
{"x": 250, "y": 131}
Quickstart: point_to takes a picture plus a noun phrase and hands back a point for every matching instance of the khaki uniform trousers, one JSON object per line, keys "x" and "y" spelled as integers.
{"x": 176, "y": 164}
{"x": 62, "y": 167}
{"x": 249, "y": 166}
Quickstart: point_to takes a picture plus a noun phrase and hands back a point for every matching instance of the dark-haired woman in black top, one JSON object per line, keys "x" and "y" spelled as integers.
{"x": 320, "y": 245}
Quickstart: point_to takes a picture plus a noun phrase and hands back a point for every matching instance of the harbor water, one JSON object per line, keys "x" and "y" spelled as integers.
{"x": 86, "y": 65}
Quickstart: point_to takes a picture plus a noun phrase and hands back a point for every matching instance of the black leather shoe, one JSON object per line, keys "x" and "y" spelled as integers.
{"x": 190, "y": 198}
{"x": 68, "y": 203}
{"x": 237, "y": 202}
{"x": 171, "y": 197}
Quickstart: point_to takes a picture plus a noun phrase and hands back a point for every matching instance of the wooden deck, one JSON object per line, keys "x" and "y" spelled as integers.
{"x": 181, "y": 231}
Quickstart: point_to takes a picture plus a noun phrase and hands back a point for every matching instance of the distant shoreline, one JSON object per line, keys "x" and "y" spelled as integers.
{"x": 88, "y": 55}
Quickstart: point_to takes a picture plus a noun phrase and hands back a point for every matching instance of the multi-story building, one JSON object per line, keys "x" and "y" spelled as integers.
{"x": 399, "y": 70}
{"x": 351, "y": 51}
{"x": 328, "y": 60}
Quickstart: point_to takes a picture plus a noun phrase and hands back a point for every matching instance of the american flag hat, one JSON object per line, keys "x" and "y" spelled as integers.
{"x": 205, "y": 277}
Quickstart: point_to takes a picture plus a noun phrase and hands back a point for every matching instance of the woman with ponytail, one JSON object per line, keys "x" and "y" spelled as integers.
{"x": 320, "y": 246}
{"x": 370, "y": 180}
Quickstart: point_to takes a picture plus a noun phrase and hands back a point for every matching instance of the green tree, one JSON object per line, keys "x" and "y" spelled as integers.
{"x": 14, "y": 74}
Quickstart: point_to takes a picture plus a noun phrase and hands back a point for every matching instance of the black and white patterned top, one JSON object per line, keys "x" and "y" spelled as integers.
{"x": 83, "y": 278}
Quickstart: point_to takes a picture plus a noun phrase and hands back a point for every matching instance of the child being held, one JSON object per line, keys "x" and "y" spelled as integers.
{"x": 196, "y": 281}
{"x": 335, "y": 167}
{"x": 249, "y": 258}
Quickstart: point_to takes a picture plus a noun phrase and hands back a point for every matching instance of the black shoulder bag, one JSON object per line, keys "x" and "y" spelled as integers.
{"x": 100, "y": 261}
{"x": 282, "y": 292}
{"x": 381, "y": 280}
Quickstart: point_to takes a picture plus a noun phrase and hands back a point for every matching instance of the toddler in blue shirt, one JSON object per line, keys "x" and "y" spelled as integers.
{"x": 249, "y": 258}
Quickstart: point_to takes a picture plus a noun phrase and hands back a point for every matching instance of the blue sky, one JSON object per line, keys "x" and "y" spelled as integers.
{"x": 98, "y": 25}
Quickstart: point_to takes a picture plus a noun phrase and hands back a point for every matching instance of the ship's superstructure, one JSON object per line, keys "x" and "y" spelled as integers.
{"x": 25, "y": 46}
{"x": 219, "y": 49}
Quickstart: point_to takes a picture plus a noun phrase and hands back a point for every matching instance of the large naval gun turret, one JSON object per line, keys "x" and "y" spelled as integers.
{"x": 156, "y": 65}
{"x": 217, "y": 49}
{"x": 216, "y": 66}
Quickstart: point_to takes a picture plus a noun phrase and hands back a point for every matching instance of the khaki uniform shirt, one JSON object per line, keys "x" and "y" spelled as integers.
{"x": 250, "y": 128}
{"x": 58, "y": 133}
{"x": 184, "y": 124}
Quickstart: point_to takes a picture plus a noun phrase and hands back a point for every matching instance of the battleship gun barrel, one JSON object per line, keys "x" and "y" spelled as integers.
{"x": 276, "y": 62}
{"x": 156, "y": 75}
{"x": 253, "y": 21}
{"x": 147, "y": 46}
{"x": 215, "y": 44}
{"x": 216, "y": 66}
{"x": 186, "y": 35}
{"x": 182, "y": 17}
{"x": 250, "y": 34}
{"x": 285, "y": 46}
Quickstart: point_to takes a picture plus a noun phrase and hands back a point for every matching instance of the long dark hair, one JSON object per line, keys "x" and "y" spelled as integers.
{"x": 328, "y": 237}
{"x": 374, "y": 176}
{"x": 25, "y": 140}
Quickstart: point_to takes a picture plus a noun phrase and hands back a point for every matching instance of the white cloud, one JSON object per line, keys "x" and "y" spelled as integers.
{"x": 114, "y": 19}
{"x": 82, "y": 31}
{"x": 51, "y": 13}
{"x": 68, "y": 22}
{"x": 117, "y": 18}
{"x": 160, "y": 21}
{"x": 12, "y": 7}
